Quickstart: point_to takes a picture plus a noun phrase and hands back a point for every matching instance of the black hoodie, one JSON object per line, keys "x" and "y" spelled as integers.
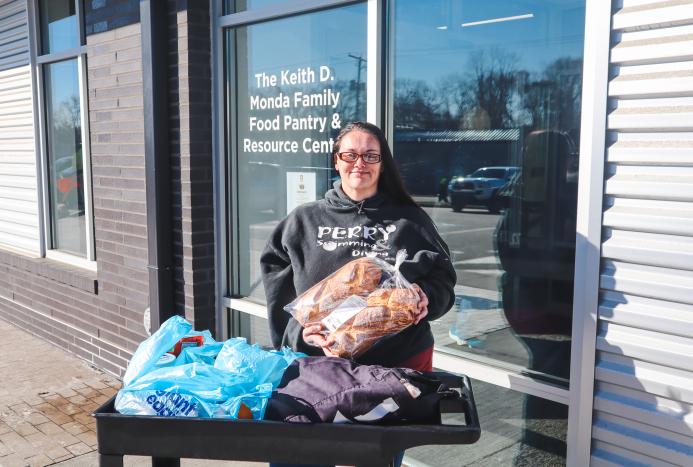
{"x": 318, "y": 238}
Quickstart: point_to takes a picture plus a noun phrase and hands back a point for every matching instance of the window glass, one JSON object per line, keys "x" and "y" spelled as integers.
{"x": 486, "y": 116}
{"x": 64, "y": 145}
{"x": 516, "y": 429}
{"x": 59, "y": 28}
{"x": 236, "y": 6}
{"x": 297, "y": 80}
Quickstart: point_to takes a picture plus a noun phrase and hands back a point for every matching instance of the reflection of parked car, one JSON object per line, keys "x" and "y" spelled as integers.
{"x": 68, "y": 184}
{"x": 480, "y": 188}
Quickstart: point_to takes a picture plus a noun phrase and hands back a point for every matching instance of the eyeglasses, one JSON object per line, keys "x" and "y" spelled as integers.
{"x": 368, "y": 157}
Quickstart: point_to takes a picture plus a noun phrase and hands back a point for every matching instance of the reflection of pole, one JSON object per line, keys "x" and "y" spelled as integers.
{"x": 359, "y": 61}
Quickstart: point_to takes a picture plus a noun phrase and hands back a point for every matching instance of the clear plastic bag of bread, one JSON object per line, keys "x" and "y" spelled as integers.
{"x": 360, "y": 303}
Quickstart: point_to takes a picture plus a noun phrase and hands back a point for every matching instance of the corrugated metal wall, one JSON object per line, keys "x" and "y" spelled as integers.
{"x": 19, "y": 225}
{"x": 643, "y": 400}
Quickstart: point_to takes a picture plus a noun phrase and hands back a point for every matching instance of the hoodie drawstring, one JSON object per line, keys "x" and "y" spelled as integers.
{"x": 360, "y": 211}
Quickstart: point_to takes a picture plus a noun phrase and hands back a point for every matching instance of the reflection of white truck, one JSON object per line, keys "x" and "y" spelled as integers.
{"x": 480, "y": 188}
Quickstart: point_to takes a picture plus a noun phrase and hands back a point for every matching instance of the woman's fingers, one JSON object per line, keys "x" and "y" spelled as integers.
{"x": 422, "y": 306}
{"x": 312, "y": 336}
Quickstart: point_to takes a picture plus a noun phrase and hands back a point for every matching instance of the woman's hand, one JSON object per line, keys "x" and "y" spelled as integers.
{"x": 312, "y": 336}
{"x": 422, "y": 306}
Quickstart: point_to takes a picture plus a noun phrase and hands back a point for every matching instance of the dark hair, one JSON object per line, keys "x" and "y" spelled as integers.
{"x": 390, "y": 180}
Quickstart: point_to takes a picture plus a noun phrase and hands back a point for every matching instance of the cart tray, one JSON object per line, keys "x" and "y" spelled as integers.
{"x": 167, "y": 439}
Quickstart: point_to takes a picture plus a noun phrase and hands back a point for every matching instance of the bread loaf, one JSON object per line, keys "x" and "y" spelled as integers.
{"x": 358, "y": 277}
{"x": 360, "y": 332}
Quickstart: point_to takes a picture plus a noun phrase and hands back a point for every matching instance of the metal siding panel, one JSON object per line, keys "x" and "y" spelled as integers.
{"x": 654, "y": 216}
{"x": 653, "y": 46}
{"x": 645, "y": 313}
{"x": 650, "y": 182}
{"x": 654, "y": 81}
{"x": 19, "y": 222}
{"x": 669, "y": 251}
{"x": 644, "y": 407}
{"x": 14, "y": 40}
{"x": 653, "y": 15}
{"x": 604, "y": 454}
{"x": 635, "y": 374}
{"x": 649, "y": 346}
{"x": 643, "y": 380}
{"x": 643, "y": 439}
{"x": 647, "y": 281}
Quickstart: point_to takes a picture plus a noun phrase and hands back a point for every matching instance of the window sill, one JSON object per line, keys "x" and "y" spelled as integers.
{"x": 74, "y": 276}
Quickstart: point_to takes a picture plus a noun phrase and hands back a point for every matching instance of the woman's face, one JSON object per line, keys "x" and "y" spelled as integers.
{"x": 359, "y": 179}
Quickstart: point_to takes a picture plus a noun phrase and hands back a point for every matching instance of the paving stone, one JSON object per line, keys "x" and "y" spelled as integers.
{"x": 39, "y": 460}
{"x": 68, "y": 408}
{"x": 64, "y": 458}
{"x": 15, "y": 442}
{"x": 79, "y": 448}
{"x": 32, "y": 399}
{"x": 88, "y": 438}
{"x": 25, "y": 429}
{"x": 84, "y": 419}
{"x": 74, "y": 428}
{"x": 67, "y": 393}
{"x": 77, "y": 399}
{"x": 53, "y": 414}
{"x": 50, "y": 428}
{"x": 97, "y": 384}
{"x": 13, "y": 460}
{"x": 36, "y": 418}
{"x": 39, "y": 440}
{"x": 64, "y": 439}
{"x": 101, "y": 399}
{"x": 88, "y": 392}
{"x": 4, "y": 450}
{"x": 58, "y": 453}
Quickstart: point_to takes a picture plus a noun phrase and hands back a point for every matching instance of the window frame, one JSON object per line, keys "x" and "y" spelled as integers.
{"x": 39, "y": 60}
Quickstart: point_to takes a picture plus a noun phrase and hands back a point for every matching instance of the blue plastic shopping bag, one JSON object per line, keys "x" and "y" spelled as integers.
{"x": 231, "y": 379}
{"x": 155, "y": 346}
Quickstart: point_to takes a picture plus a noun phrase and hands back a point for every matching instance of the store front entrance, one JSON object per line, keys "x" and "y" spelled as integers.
{"x": 481, "y": 103}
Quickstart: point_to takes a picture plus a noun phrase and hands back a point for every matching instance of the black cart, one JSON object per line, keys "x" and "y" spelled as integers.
{"x": 167, "y": 440}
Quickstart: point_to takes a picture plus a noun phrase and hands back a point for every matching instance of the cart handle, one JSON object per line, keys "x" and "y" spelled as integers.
{"x": 462, "y": 404}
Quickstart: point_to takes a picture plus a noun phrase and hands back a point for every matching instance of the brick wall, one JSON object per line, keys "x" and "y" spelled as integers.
{"x": 98, "y": 316}
{"x": 116, "y": 119}
{"x": 190, "y": 125}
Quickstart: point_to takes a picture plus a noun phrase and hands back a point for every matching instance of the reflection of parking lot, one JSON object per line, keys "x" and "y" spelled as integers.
{"x": 469, "y": 236}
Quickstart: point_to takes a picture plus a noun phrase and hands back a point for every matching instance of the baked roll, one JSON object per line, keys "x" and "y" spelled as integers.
{"x": 359, "y": 277}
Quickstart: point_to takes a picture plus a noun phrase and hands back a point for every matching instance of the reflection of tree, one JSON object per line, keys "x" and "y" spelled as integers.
{"x": 553, "y": 100}
{"x": 493, "y": 94}
{"x": 493, "y": 81}
{"x": 67, "y": 121}
{"x": 414, "y": 101}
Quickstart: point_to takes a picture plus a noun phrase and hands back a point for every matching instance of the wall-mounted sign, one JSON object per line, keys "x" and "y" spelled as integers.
{"x": 300, "y": 189}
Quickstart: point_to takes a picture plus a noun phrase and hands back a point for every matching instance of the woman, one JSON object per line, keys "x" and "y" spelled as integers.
{"x": 367, "y": 213}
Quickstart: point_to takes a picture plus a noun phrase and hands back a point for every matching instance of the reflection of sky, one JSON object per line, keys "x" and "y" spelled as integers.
{"x": 62, "y": 34}
{"x": 310, "y": 40}
{"x": 63, "y": 81}
{"x": 430, "y": 41}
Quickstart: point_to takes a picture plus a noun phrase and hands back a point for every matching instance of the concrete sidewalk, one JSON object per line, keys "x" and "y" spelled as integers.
{"x": 46, "y": 399}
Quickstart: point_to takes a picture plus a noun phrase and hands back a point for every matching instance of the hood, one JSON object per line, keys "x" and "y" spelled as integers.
{"x": 338, "y": 200}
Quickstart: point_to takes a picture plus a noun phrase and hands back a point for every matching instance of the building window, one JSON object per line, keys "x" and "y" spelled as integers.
{"x": 289, "y": 105}
{"x": 65, "y": 150}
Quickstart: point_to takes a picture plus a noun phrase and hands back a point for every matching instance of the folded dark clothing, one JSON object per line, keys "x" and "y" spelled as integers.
{"x": 335, "y": 390}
